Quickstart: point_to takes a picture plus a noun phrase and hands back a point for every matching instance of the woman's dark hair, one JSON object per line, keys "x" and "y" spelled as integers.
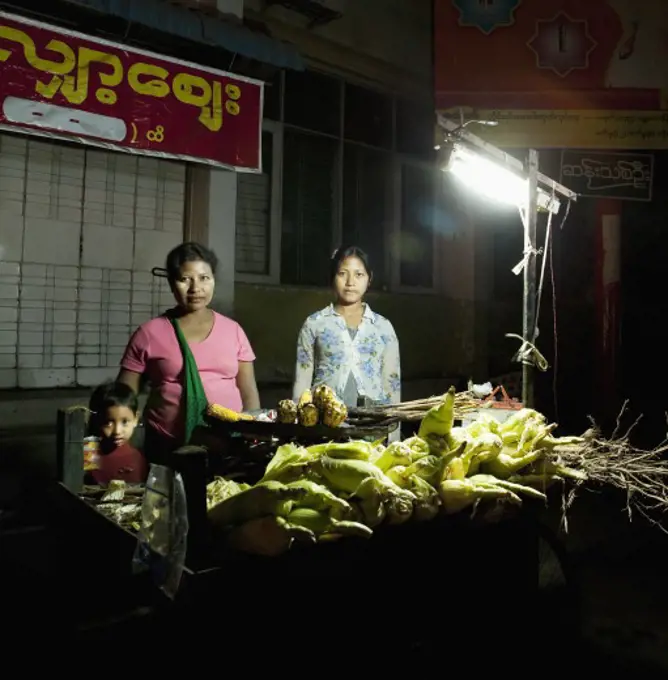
{"x": 107, "y": 396}
{"x": 345, "y": 252}
{"x": 189, "y": 252}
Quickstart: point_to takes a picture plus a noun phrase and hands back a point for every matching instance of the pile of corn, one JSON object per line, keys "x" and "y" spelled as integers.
{"x": 320, "y": 406}
{"x": 331, "y": 490}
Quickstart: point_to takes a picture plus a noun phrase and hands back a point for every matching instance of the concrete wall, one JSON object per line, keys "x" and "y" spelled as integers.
{"x": 388, "y": 41}
{"x": 222, "y": 230}
{"x": 231, "y": 8}
{"x": 435, "y": 333}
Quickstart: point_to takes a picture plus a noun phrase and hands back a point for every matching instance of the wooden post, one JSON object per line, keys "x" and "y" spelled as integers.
{"x": 71, "y": 430}
{"x": 191, "y": 463}
{"x": 608, "y": 299}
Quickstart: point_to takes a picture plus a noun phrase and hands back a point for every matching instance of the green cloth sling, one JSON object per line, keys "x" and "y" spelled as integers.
{"x": 194, "y": 398}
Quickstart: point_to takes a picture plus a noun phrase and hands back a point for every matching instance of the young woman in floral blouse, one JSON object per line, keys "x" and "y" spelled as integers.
{"x": 347, "y": 346}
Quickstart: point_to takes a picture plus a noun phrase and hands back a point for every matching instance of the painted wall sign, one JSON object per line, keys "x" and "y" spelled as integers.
{"x": 599, "y": 174}
{"x": 556, "y": 73}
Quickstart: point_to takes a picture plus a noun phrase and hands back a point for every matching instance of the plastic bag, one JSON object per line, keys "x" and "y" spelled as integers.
{"x": 162, "y": 541}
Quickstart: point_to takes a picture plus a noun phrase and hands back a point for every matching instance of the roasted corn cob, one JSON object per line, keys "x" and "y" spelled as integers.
{"x": 287, "y": 411}
{"x": 334, "y": 413}
{"x": 323, "y": 395}
{"x": 306, "y": 398}
{"x": 307, "y": 414}
{"x": 226, "y": 414}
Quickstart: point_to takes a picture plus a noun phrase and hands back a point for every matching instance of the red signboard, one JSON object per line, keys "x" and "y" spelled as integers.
{"x": 62, "y": 84}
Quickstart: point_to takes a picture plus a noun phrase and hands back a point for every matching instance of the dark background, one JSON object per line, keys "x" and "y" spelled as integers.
{"x": 643, "y": 376}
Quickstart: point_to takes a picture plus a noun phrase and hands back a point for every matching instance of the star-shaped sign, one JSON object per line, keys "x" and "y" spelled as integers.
{"x": 562, "y": 44}
{"x": 486, "y": 15}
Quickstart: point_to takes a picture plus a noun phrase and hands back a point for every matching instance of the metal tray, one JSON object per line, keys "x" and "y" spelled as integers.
{"x": 283, "y": 432}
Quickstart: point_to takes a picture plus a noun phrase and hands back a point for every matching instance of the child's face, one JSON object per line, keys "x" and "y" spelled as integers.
{"x": 118, "y": 424}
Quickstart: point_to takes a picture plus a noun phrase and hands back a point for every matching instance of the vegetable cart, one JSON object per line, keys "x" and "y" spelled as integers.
{"x": 406, "y": 590}
{"x": 444, "y": 568}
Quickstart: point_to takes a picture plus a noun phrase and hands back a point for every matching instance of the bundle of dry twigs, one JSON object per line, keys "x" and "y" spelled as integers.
{"x": 641, "y": 474}
{"x": 408, "y": 411}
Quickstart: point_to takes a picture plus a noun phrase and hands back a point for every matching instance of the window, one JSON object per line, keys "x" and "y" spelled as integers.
{"x": 416, "y": 242}
{"x": 415, "y": 128}
{"x": 367, "y": 176}
{"x": 350, "y": 165}
{"x": 313, "y": 102}
{"x": 368, "y": 117}
{"x": 309, "y": 207}
{"x": 254, "y": 194}
{"x": 272, "y": 97}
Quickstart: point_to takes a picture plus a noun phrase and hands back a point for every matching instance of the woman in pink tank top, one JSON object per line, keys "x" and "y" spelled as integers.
{"x": 219, "y": 346}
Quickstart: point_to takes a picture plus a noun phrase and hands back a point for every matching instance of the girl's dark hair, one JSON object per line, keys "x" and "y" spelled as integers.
{"x": 189, "y": 252}
{"x": 107, "y": 396}
{"x": 345, "y": 252}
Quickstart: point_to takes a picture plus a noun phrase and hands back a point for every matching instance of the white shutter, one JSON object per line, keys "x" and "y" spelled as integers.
{"x": 80, "y": 231}
{"x": 12, "y": 203}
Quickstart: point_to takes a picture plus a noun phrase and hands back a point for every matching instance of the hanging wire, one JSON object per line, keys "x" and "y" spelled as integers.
{"x": 544, "y": 251}
{"x": 555, "y": 334}
{"x": 528, "y": 352}
{"x": 555, "y": 350}
{"x": 539, "y": 293}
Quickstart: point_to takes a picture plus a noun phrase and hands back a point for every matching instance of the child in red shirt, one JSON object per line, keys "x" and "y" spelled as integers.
{"x": 114, "y": 411}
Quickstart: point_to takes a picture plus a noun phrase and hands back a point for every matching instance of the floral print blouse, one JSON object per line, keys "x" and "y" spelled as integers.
{"x": 327, "y": 353}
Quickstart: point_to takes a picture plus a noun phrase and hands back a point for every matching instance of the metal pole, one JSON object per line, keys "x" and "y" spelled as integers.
{"x": 529, "y": 296}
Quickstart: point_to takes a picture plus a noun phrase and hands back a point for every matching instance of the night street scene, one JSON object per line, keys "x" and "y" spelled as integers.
{"x": 330, "y": 331}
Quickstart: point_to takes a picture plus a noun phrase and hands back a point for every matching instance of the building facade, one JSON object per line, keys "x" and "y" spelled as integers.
{"x": 347, "y": 152}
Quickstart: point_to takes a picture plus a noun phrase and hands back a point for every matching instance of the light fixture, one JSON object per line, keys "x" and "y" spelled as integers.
{"x": 491, "y": 171}
{"x": 494, "y": 180}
